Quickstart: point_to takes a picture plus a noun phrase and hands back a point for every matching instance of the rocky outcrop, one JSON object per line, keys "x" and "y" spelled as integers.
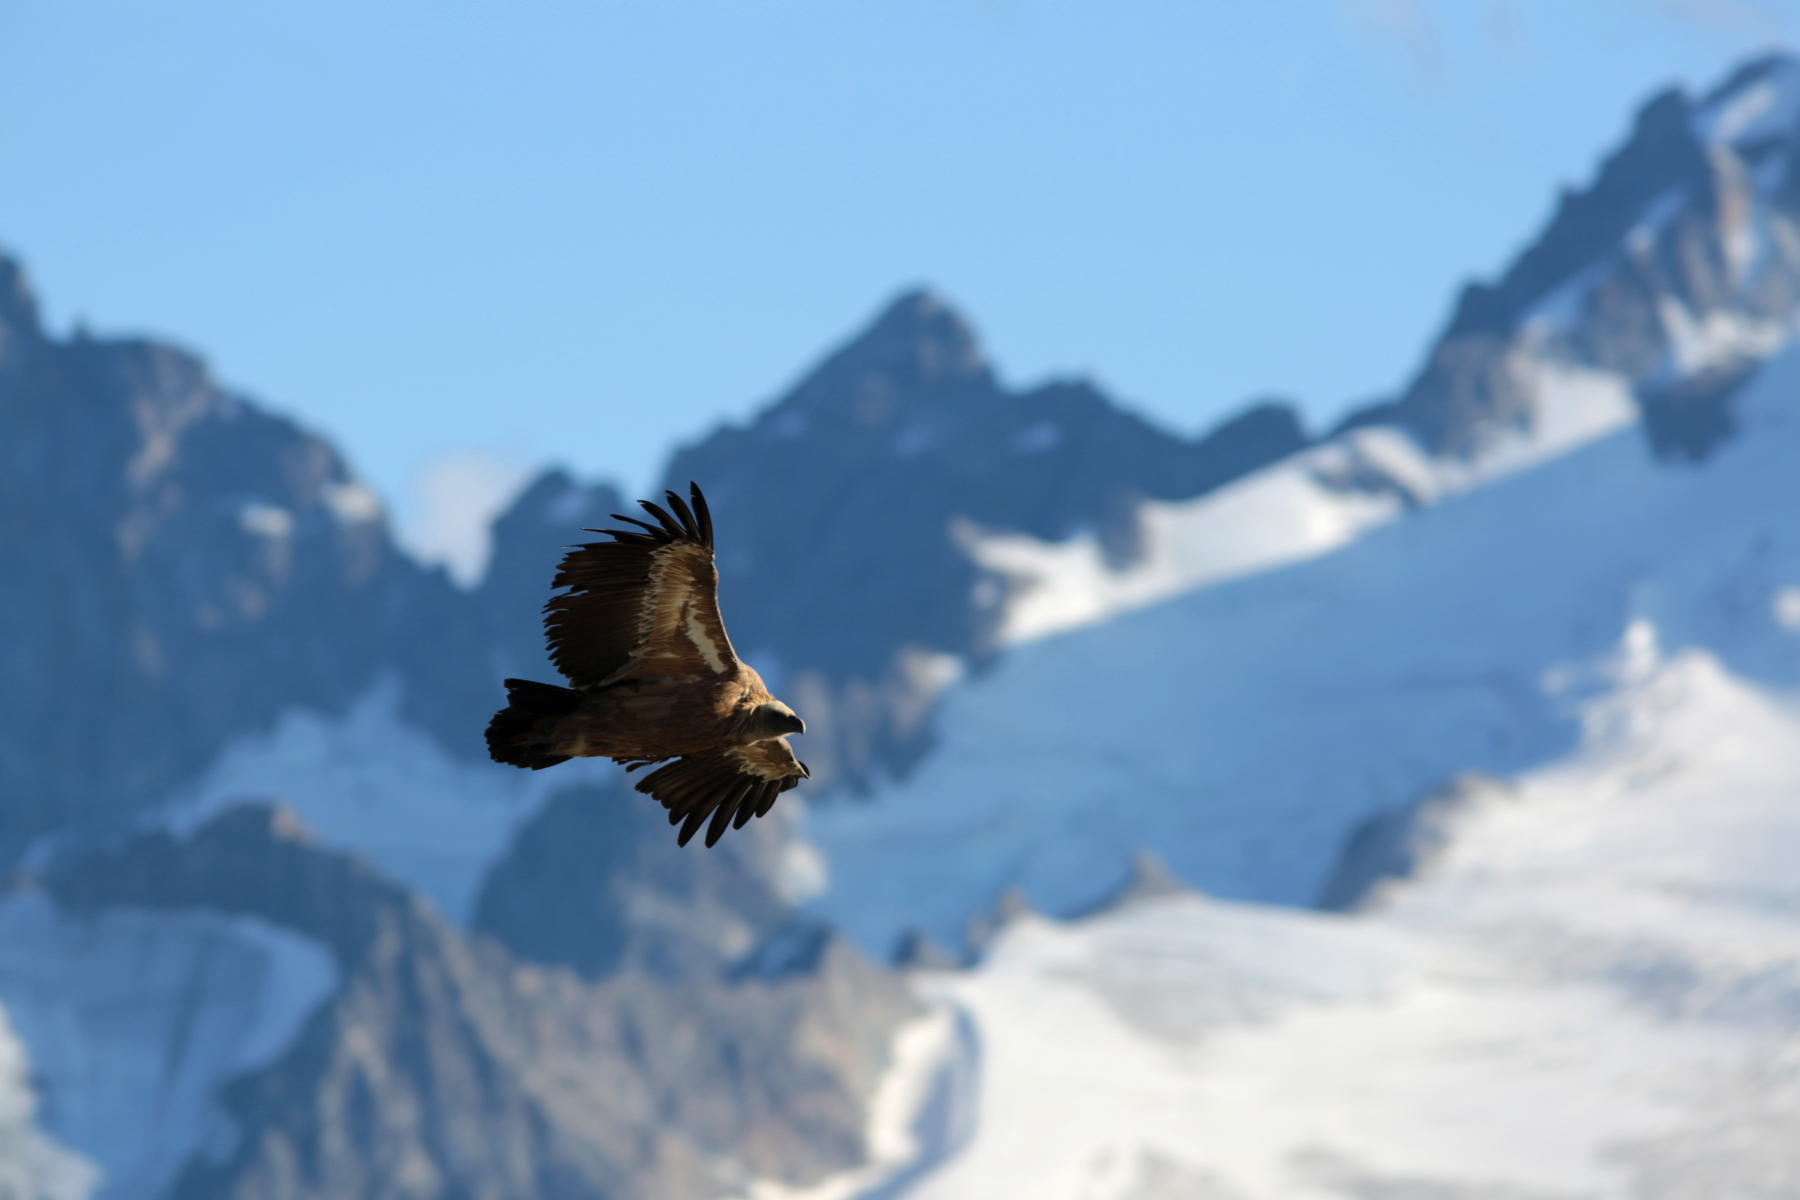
{"x": 596, "y": 883}
{"x": 446, "y": 1066}
{"x": 1392, "y": 847}
{"x": 1677, "y": 271}
{"x": 180, "y": 567}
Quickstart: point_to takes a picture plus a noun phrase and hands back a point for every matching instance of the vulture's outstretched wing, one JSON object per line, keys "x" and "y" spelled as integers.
{"x": 732, "y": 785}
{"x": 643, "y": 606}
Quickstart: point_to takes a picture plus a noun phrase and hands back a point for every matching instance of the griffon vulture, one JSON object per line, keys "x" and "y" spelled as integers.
{"x": 652, "y": 676}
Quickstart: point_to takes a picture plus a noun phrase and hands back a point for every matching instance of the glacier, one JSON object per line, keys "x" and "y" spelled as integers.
{"x": 1588, "y": 987}
{"x": 1243, "y": 730}
{"x": 1593, "y": 991}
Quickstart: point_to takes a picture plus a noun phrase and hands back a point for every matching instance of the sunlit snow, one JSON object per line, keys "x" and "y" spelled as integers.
{"x": 1298, "y": 508}
{"x": 135, "y": 1019}
{"x": 1594, "y": 992}
{"x": 371, "y": 783}
{"x": 32, "y": 1165}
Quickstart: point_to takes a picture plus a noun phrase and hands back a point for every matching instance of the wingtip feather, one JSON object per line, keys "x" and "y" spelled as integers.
{"x": 679, "y": 507}
{"x": 688, "y": 830}
{"x": 702, "y": 512}
{"x": 669, "y": 523}
{"x": 644, "y": 525}
{"x": 721, "y": 819}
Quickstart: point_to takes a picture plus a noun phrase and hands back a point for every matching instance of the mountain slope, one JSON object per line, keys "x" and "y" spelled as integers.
{"x": 1591, "y": 989}
{"x": 1243, "y": 730}
{"x": 181, "y": 567}
{"x": 1652, "y": 296}
{"x": 442, "y": 1065}
{"x": 841, "y": 568}
{"x": 204, "y": 606}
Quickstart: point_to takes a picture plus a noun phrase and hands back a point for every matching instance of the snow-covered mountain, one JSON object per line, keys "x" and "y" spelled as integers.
{"x": 1508, "y": 674}
{"x": 853, "y": 499}
{"x": 1330, "y": 660}
{"x": 1243, "y": 731}
{"x": 1590, "y": 989}
{"x": 1651, "y": 296}
{"x": 204, "y": 613}
{"x": 1501, "y": 671}
{"x": 1583, "y": 981}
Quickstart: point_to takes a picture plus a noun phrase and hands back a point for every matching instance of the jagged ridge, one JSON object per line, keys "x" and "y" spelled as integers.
{"x": 445, "y": 1066}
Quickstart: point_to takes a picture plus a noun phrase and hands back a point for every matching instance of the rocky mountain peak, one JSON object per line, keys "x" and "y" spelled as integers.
{"x": 1760, "y": 100}
{"x": 918, "y": 345}
{"x": 837, "y": 509}
{"x": 204, "y": 564}
{"x": 1662, "y": 152}
{"x": 18, "y": 307}
{"x": 1663, "y": 285}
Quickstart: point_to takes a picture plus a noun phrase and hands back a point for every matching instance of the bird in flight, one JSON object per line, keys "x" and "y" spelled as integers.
{"x": 652, "y": 677}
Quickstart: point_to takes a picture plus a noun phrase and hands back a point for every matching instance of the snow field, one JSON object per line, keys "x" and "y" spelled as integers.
{"x": 1554, "y": 1008}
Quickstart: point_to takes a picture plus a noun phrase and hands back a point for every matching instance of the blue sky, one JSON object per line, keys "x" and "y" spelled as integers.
{"x": 463, "y": 237}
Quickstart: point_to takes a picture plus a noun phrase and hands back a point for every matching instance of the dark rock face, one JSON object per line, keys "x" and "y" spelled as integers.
{"x": 837, "y": 509}
{"x": 595, "y": 882}
{"x": 1691, "y": 417}
{"x": 1661, "y": 153}
{"x": 1394, "y": 846}
{"x": 179, "y": 568}
{"x": 445, "y": 1067}
{"x": 1685, "y": 229}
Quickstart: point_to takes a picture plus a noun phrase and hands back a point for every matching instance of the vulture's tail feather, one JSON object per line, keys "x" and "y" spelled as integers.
{"x": 511, "y": 735}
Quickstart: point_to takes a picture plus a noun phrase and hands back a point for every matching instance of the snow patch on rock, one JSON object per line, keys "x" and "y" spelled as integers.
{"x": 1302, "y": 507}
{"x": 135, "y": 1019}
{"x": 371, "y": 783}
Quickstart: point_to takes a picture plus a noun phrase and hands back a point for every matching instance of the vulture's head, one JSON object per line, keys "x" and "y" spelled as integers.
{"x": 775, "y": 719}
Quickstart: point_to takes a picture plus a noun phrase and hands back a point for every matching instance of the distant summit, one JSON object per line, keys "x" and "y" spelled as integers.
{"x": 178, "y": 567}
{"x": 918, "y": 343}
{"x": 1675, "y": 272}
{"x": 846, "y": 499}
{"x": 18, "y": 306}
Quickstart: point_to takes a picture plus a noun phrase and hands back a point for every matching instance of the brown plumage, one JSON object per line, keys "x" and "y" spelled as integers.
{"x": 652, "y": 676}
